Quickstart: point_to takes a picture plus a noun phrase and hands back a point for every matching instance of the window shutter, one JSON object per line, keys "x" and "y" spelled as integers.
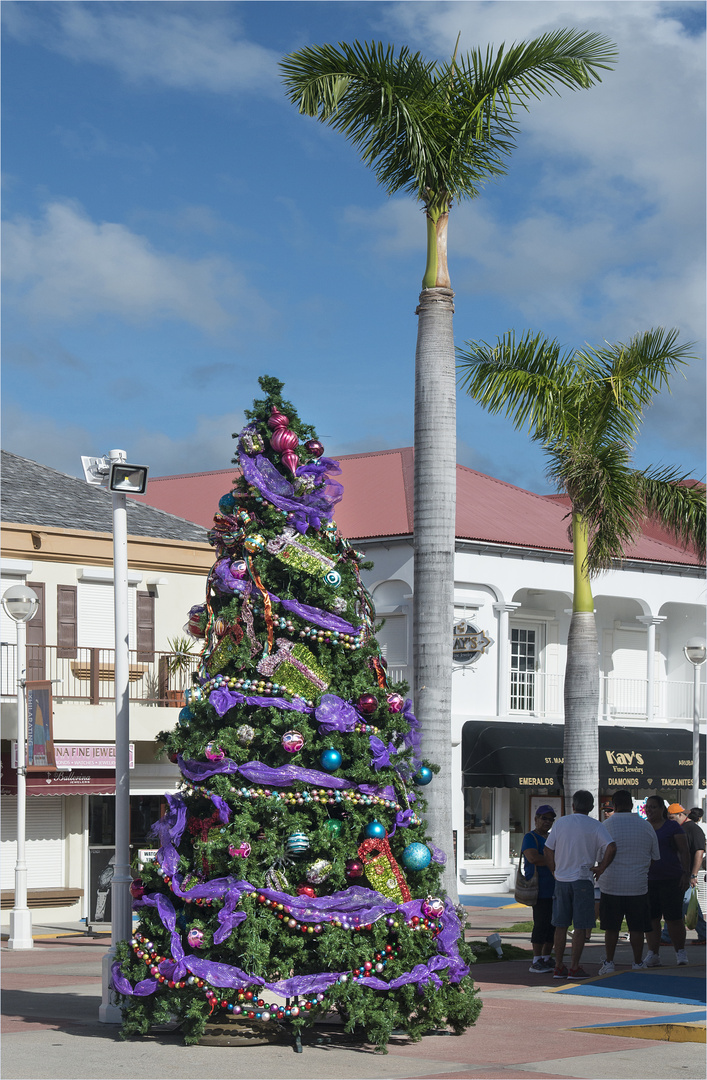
{"x": 145, "y": 627}
{"x": 36, "y": 639}
{"x": 44, "y": 841}
{"x": 66, "y": 622}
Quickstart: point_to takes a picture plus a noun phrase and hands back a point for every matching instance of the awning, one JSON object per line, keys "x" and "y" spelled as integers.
{"x": 61, "y": 782}
{"x": 498, "y": 754}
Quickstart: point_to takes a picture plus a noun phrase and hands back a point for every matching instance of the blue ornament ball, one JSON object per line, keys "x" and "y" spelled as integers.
{"x": 333, "y": 578}
{"x": 423, "y": 776}
{"x": 330, "y": 759}
{"x": 416, "y": 857}
{"x": 297, "y": 843}
{"x": 374, "y": 831}
{"x": 185, "y": 715}
{"x": 226, "y": 503}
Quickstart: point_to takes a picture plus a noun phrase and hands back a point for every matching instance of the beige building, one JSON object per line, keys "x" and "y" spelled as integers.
{"x": 57, "y": 538}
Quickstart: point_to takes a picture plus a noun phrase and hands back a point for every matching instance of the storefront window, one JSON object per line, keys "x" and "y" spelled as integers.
{"x": 517, "y": 820}
{"x": 144, "y": 812}
{"x": 478, "y": 823}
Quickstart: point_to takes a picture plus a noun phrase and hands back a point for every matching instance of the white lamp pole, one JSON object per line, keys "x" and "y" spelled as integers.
{"x": 120, "y": 478}
{"x": 21, "y": 603}
{"x": 696, "y": 653}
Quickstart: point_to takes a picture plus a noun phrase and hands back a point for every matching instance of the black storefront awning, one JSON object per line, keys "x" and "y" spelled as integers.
{"x": 497, "y": 754}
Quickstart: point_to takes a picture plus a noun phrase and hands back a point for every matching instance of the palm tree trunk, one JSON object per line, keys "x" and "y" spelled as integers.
{"x": 581, "y": 742}
{"x": 434, "y": 531}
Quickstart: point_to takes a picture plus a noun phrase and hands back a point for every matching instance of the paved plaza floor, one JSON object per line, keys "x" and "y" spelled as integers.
{"x": 530, "y": 1026}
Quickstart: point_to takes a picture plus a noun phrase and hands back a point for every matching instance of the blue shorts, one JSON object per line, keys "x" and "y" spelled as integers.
{"x": 573, "y": 904}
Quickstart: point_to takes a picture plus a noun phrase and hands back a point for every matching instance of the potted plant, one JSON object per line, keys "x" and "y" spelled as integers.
{"x": 179, "y": 664}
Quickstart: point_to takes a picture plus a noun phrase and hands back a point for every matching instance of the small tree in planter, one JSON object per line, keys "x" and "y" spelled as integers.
{"x": 179, "y": 664}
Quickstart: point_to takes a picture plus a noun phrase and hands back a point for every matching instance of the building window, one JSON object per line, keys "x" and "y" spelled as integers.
{"x": 478, "y": 823}
{"x": 525, "y": 649}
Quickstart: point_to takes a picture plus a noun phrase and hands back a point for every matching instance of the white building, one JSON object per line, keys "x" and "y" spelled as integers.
{"x": 57, "y": 538}
{"x": 513, "y": 598}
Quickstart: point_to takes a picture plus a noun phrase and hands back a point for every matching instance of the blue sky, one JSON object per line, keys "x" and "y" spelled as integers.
{"x": 173, "y": 228}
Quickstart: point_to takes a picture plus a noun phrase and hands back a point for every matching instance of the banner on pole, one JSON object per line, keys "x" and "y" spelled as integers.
{"x": 40, "y": 729}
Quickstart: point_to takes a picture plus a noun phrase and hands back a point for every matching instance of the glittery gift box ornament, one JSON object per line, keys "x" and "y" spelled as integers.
{"x": 382, "y": 871}
{"x": 298, "y": 670}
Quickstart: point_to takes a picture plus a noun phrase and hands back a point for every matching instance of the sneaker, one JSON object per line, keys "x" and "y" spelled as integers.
{"x": 560, "y": 972}
{"x": 577, "y": 973}
{"x": 651, "y": 959}
{"x": 548, "y": 962}
{"x": 538, "y": 967}
{"x": 681, "y": 957}
{"x": 639, "y": 967}
{"x": 607, "y": 968}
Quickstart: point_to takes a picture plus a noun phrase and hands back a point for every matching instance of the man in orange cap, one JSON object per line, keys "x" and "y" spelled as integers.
{"x": 696, "y": 848}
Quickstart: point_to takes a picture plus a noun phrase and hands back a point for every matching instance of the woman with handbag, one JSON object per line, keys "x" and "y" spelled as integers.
{"x": 532, "y": 850}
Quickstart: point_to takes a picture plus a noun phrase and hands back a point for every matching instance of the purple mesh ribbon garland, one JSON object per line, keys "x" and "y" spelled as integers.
{"x": 257, "y": 773}
{"x": 335, "y": 714}
{"x": 223, "y": 700}
{"x": 305, "y": 510}
{"x": 353, "y": 907}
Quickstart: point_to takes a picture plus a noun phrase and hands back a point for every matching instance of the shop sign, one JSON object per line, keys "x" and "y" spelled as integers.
{"x": 469, "y": 642}
{"x": 83, "y": 755}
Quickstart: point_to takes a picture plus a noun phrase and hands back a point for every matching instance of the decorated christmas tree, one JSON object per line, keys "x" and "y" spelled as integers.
{"x": 294, "y": 878}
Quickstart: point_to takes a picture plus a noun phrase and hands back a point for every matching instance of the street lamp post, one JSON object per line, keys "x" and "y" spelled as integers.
{"x": 696, "y": 653}
{"x": 20, "y": 604}
{"x": 121, "y": 479}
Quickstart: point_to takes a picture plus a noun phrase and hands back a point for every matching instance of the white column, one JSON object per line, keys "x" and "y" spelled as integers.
{"x": 503, "y": 610}
{"x": 650, "y": 622}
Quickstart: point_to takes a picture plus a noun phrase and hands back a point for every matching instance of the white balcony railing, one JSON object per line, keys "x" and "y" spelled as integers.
{"x": 89, "y": 674}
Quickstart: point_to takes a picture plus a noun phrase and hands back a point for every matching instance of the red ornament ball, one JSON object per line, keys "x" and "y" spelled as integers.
{"x": 354, "y": 868}
{"x": 367, "y": 703}
{"x": 305, "y": 890}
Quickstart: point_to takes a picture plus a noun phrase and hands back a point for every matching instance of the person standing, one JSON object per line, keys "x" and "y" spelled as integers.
{"x": 667, "y": 881}
{"x": 577, "y": 851}
{"x": 624, "y": 884}
{"x": 696, "y": 851}
{"x": 532, "y": 849}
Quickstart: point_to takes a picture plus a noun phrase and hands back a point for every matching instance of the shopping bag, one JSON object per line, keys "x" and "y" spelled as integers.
{"x": 693, "y": 910}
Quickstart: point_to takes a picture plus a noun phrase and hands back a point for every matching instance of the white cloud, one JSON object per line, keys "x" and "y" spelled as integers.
{"x": 65, "y": 267}
{"x": 186, "y": 46}
{"x": 207, "y": 445}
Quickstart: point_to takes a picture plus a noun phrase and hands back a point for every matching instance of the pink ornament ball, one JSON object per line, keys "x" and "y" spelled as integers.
{"x": 214, "y": 752}
{"x": 195, "y": 937}
{"x": 367, "y": 703}
{"x": 314, "y": 447}
{"x": 396, "y": 702}
{"x": 433, "y": 907}
{"x": 137, "y": 889}
{"x": 354, "y": 868}
{"x": 292, "y": 741}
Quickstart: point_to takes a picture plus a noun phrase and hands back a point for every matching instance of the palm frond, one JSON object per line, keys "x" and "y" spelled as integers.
{"x": 437, "y": 131}
{"x": 677, "y": 503}
{"x": 529, "y": 380}
{"x": 622, "y": 380}
{"x": 604, "y": 487}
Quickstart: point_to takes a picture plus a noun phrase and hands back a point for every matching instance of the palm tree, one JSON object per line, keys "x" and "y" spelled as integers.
{"x": 437, "y": 131}
{"x": 585, "y": 409}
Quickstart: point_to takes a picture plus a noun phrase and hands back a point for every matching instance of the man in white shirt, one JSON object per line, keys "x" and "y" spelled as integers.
{"x": 624, "y": 884}
{"x": 578, "y": 851}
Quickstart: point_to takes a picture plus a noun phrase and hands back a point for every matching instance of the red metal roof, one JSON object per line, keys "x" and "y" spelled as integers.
{"x": 378, "y": 502}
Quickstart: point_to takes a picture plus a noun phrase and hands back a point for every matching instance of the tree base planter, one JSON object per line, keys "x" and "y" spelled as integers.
{"x": 240, "y": 1031}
